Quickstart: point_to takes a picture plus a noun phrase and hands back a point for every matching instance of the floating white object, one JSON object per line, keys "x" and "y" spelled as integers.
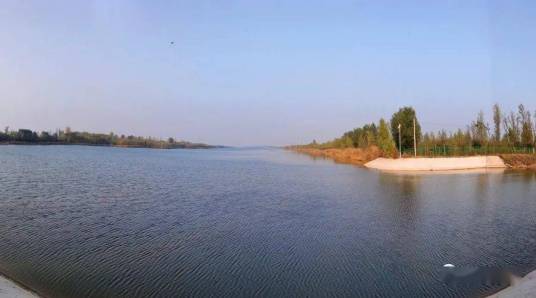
{"x": 448, "y": 266}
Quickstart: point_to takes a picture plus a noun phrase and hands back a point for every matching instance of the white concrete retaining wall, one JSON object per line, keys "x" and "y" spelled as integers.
{"x": 436, "y": 164}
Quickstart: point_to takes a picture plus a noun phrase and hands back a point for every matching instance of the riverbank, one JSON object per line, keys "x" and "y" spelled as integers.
{"x": 372, "y": 158}
{"x": 520, "y": 161}
{"x": 10, "y": 289}
{"x": 526, "y": 287}
{"x": 152, "y": 146}
{"x": 436, "y": 164}
{"x": 356, "y": 156}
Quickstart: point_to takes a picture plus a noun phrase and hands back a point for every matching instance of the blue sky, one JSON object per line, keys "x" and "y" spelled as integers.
{"x": 260, "y": 72}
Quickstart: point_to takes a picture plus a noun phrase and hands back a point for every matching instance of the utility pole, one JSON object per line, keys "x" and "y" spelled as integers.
{"x": 399, "y": 140}
{"x": 414, "y": 138}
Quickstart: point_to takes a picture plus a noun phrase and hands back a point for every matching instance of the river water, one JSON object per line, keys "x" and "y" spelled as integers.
{"x": 81, "y": 221}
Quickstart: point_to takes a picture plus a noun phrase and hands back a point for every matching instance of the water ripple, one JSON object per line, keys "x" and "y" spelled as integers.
{"x": 111, "y": 222}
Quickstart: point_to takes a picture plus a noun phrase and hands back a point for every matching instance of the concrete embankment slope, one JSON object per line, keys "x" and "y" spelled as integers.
{"x": 436, "y": 164}
{"x": 526, "y": 287}
{"x": 9, "y": 289}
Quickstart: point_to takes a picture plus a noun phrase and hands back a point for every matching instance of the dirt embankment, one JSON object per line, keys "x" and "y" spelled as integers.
{"x": 355, "y": 156}
{"x": 520, "y": 161}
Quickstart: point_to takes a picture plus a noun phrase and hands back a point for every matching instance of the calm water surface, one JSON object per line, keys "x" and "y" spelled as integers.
{"x": 109, "y": 222}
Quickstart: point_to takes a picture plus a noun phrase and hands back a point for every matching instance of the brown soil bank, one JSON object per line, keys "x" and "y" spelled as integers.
{"x": 520, "y": 161}
{"x": 355, "y": 156}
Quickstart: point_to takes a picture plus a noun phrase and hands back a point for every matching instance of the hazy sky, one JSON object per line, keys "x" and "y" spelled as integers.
{"x": 260, "y": 72}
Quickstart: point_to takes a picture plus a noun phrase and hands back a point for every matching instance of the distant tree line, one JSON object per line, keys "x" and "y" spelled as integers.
{"x": 510, "y": 132}
{"x": 69, "y": 137}
{"x": 385, "y": 135}
{"x": 363, "y": 137}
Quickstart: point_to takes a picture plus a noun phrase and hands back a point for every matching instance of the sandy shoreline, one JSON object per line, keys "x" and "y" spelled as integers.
{"x": 437, "y": 164}
{"x": 10, "y": 289}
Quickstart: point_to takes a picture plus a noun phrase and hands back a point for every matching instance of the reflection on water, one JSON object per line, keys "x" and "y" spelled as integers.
{"x": 403, "y": 195}
{"x": 485, "y": 277}
{"x": 449, "y": 172}
{"x": 112, "y": 222}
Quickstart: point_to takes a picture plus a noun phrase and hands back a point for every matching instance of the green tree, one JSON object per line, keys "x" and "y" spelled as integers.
{"x": 348, "y": 143}
{"x": 443, "y": 137}
{"x": 511, "y": 128}
{"x": 457, "y": 138}
{"x": 26, "y": 135}
{"x": 479, "y": 130}
{"x": 404, "y": 117}
{"x": 385, "y": 139}
{"x": 497, "y": 119}
{"x": 361, "y": 137}
{"x": 525, "y": 119}
{"x": 467, "y": 137}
